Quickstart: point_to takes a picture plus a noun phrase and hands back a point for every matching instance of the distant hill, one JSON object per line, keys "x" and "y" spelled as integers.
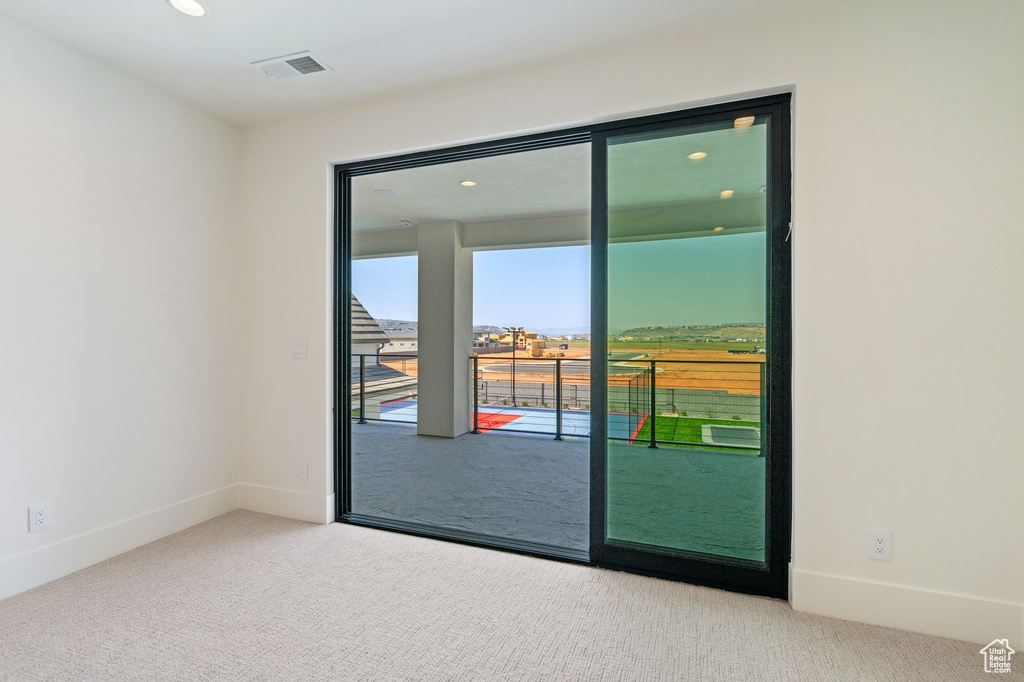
{"x": 561, "y": 331}
{"x": 546, "y": 331}
{"x": 699, "y": 331}
{"x": 388, "y": 323}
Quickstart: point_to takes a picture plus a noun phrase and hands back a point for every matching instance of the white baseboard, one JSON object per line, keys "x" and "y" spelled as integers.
{"x": 38, "y": 566}
{"x": 292, "y": 504}
{"x": 908, "y": 608}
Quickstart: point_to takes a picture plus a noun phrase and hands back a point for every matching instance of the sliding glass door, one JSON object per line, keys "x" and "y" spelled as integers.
{"x": 467, "y": 410}
{"x": 695, "y": 341}
{"x": 659, "y": 442}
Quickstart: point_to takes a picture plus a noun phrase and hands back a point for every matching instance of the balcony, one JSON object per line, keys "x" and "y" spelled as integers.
{"x": 523, "y": 472}
{"x": 707, "y": 404}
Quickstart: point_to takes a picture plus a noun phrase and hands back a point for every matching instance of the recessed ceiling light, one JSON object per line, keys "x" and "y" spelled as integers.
{"x": 697, "y": 156}
{"x": 467, "y": 183}
{"x": 726, "y": 194}
{"x": 719, "y": 229}
{"x": 385, "y": 192}
{"x": 189, "y": 7}
{"x": 744, "y": 122}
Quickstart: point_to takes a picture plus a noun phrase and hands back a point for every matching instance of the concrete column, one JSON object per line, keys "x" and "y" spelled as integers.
{"x": 445, "y": 331}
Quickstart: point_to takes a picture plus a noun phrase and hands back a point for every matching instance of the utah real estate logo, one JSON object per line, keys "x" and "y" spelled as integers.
{"x": 997, "y": 656}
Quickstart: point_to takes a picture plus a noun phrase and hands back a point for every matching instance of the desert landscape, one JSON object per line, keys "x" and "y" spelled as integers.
{"x": 721, "y": 370}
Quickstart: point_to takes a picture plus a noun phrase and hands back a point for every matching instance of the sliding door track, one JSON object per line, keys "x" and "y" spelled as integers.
{"x": 468, "y": 537}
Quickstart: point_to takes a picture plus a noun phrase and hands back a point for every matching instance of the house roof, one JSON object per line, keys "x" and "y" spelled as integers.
{"x": 363, "y": 327}
{"x": 379, "y": 377}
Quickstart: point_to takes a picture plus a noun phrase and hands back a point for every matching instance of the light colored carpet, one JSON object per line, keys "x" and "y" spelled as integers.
{"x": 253, "y": 597}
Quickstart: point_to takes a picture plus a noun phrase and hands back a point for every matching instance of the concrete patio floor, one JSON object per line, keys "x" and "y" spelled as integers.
{"x": 536, "y": 489}
{"x": 530, "y": 488}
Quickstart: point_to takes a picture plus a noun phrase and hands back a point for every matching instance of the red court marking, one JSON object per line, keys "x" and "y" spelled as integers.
{"x": 642, "y": 422}
{"x": 489, "y": 420}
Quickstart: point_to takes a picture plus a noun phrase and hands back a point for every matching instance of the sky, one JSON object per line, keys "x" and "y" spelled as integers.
{"x": 531, "y": 288}
{"x": 386, "y": 286}
{"x": 718, "y": 279}
{"x": 704, "y": 280}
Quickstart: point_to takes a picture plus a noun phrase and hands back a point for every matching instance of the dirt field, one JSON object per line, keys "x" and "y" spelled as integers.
{"x": 719, "y": 370}
{"x": 710, "y": 370}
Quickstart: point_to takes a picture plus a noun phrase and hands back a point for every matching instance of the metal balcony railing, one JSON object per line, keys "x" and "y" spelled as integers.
{"x": 712, "y": 404}
{"x": 391, "y": 376}
{"x": 545, "y": 396}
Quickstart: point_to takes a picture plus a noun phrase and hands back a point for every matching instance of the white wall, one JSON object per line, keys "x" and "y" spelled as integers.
{"x": 120, "y": 246}
{"x": 908, "y": 252}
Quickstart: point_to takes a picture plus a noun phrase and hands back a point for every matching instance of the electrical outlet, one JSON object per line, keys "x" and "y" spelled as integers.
{"x": 40, "y": 516}
{"x": 880, "y": 545}
{"x": 303, "y": 470}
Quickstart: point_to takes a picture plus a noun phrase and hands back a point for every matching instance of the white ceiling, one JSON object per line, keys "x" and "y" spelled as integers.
{"x": 545, "y": 182}
{"x": 374, "y": 46}
{"x": 653, "y": 187}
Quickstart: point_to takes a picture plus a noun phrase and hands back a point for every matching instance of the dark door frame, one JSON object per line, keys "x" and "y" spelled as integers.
{"x": 343, "y": 174}
{"x": 769, "y": 578}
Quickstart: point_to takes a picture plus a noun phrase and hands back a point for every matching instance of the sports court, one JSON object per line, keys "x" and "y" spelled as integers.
{"x": 524, "y": 420}
{"x": 503, "y": 418}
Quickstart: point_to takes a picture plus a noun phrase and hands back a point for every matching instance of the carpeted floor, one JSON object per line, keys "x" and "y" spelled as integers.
{"x": 253, "y": 597}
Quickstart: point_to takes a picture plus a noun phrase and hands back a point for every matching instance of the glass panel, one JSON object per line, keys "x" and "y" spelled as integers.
{"x": 540, "y": 383}
{"x": 384, "y": 339}
{"x": 687, "y": 341}
{"x": 442, "y": 255}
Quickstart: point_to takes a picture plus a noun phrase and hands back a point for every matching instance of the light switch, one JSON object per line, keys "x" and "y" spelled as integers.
{"x": 299, "y": 350}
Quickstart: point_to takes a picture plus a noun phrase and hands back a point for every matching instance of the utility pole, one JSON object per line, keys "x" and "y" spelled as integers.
{"x": 515, "y": 332}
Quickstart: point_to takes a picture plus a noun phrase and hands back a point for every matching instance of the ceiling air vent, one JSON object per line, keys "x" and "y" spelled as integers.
{"x": 298, "y": 64}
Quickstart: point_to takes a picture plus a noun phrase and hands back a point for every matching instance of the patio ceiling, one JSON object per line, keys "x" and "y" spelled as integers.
{"x": 656, "y": 192}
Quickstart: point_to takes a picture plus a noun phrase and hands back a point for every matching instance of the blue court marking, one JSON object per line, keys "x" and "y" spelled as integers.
{"x": 619, "y": 425}
{"x": 574, "y": 423}
{"x": 399, "y": 411}
{"x": 527, "y": 419}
